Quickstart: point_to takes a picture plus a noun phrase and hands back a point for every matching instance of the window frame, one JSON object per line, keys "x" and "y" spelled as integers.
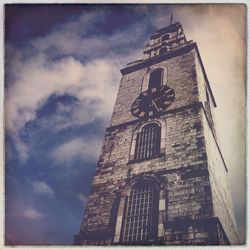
{"x": 161, "y": 78}
{"x": 161, "y": 123}
{"x": 148, "y": 142}
{"x": 152, "y": 228}
{"x": 145, "y": 79}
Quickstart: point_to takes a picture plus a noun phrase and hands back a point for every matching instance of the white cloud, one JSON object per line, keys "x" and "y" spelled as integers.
{"x": 34, "y": 76}
{"x": 40, "y": 187}
{"x": 39, "y": 79}
{"x": 31, "y": 213}
{"x": 21, "y": 147}
{"x": 87, "y": 149}
{"x": 81, "y": 197}
{"x": 79, "y": 38}
{"x": 72, "y": 37}
{"x": 94, "y": 84}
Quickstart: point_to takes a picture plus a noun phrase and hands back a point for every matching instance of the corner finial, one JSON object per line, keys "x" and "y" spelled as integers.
{"x": 171, "y": 18}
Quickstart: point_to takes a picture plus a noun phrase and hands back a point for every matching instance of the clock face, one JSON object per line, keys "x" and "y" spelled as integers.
{"x": 152, "y": 102}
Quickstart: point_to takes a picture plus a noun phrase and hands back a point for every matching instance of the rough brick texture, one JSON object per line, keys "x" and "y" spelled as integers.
{"x": 222, "y": 200}
{"x": 180, "y": 75}
{"x": 194, "y": 199}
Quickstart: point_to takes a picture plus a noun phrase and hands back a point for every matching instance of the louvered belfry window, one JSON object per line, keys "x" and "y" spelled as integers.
{"x": 155, "y": 79}
{"x": 139, "y": 224}
{"x": 148, "y": 142}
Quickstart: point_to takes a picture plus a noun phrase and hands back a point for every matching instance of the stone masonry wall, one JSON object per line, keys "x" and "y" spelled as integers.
{"x": 204, "y": 94}
{"x": 186, "y": 197}
{"x": 180, "y": 76}
{"x": 183, "y": 166}
{"x": 222, "y": 200}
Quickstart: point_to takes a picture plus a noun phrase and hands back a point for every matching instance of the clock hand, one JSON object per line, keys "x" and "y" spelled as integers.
{"x": 154, "y": 104}
{"x": 158, "y": 98}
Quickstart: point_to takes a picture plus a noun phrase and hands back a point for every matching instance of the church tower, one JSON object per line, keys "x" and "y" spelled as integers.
{"x": 161, "y": 178}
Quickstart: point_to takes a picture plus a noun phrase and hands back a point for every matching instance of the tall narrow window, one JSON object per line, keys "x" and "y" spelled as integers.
{"x": 155, "y": 79}
{"x": 141, "y": 216}
{"x": 148, "y": 142}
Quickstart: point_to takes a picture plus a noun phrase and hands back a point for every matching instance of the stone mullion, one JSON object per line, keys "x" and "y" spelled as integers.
{"x": 154, "y": 136}
{"x": 148, "y": 143}
{"x": 128, "y": 215}
{"x": 151, "y": 142}
{"x": 143, "y": 145}
{"x": 134, "y": 214}
{"x": 148, "y": 213}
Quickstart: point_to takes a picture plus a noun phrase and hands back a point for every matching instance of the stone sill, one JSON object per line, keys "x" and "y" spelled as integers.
{"x": 146, "y": 159}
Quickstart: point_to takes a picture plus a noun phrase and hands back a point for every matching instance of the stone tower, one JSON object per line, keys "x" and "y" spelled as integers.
{"x": 161, "y": 177}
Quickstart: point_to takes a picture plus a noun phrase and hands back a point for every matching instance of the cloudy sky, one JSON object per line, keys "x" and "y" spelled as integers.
{"x": 62, "y": 74}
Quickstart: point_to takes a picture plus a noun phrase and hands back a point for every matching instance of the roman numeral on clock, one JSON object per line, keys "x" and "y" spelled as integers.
{"x": 142, "y": 114}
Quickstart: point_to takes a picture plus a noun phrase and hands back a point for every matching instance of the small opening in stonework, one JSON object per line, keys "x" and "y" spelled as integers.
{"x": 165, "y": 37}
{"x": 182, "y": 41}
{"x": 197, "y": 126}
{"x": 174, "y": 45}
{"x": 164, "y": 51}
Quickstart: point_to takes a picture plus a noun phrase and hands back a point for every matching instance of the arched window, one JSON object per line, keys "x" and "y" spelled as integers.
{"x": 148, "y": 142}
{"x": 155, "y": 79}
{"x": 141, "y": 213}
{"x": 165, "y": 37}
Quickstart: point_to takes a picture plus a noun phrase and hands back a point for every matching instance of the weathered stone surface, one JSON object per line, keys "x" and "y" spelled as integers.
{"x": 194, "y": 199}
